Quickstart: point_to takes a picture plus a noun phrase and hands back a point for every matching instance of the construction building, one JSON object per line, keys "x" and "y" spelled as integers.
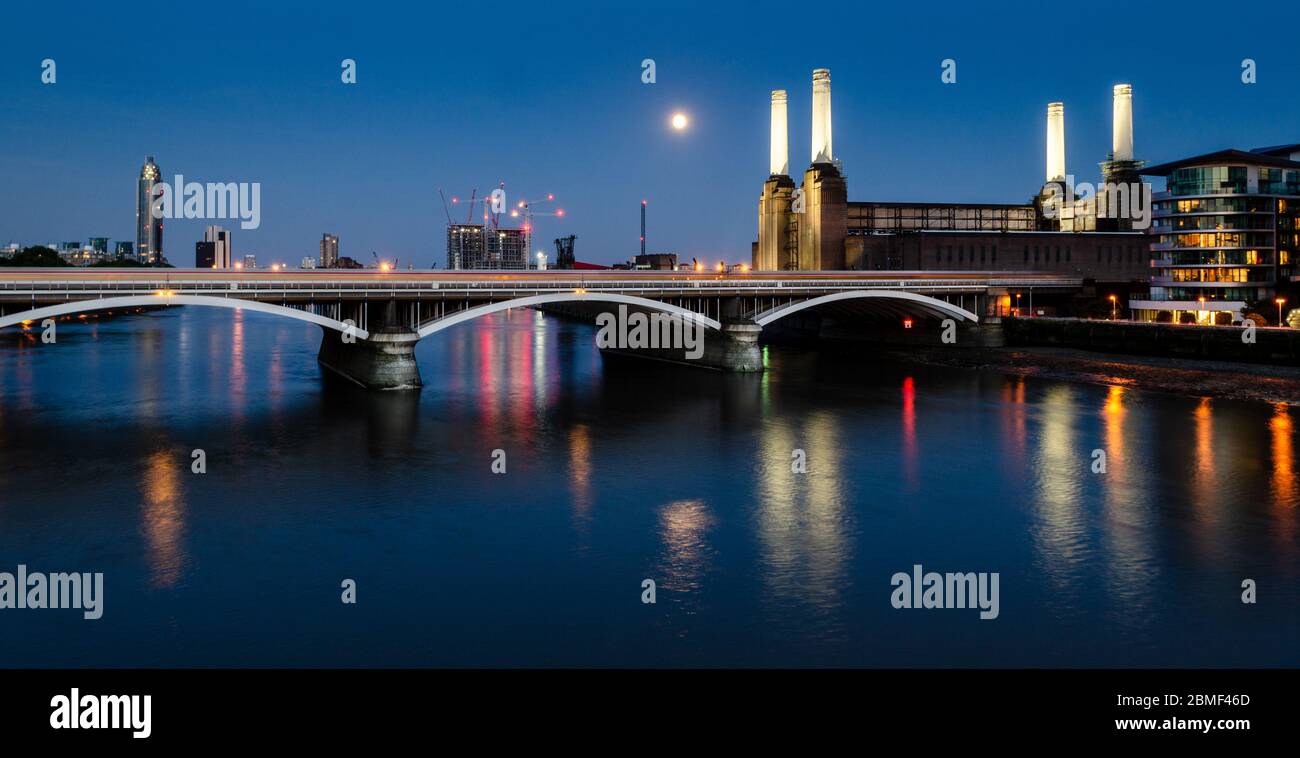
{"x": 480, "y": 246}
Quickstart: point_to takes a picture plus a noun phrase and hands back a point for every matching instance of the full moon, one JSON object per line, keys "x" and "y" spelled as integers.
{"x": 679, "y": 121}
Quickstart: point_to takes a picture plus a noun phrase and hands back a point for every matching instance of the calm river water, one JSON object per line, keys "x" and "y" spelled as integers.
{"x": 619, "y": 471}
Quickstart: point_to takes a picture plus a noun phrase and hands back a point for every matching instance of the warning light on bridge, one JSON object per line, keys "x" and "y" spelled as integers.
{"x": 907, "y": 323}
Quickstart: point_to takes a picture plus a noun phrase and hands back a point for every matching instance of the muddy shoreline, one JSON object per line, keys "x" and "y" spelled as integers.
{"x": 1193, "y": 378}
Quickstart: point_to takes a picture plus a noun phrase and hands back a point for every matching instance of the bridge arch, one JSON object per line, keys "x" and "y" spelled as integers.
{"x": 135, "y": 301}
{"x": 923, "y": 303}
{"x": 449, "y": 321}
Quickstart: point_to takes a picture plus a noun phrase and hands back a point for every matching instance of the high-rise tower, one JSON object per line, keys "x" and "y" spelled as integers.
{"x": 329, "y": 250}
{"x": 148, "y": 230}
{"x": 223, "y": 255}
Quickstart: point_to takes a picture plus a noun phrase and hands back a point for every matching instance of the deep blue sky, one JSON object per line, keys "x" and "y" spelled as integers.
{"x": 547, "y": 97}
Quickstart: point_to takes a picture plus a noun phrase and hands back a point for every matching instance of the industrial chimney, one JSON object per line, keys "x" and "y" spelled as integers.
{"x": 1122, "y": 131}
{"x": 821, "y": 117}
{"x": 780, "y": 132}
{"x": 1055, "y": 141}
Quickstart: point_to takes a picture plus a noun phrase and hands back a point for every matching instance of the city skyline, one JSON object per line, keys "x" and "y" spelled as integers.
{"x": 367, "y": 160}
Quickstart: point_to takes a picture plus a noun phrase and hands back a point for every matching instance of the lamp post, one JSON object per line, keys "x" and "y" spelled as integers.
{"x": 1201, "y": 300}
{"x": 1280, "y": 302}
{"x": 1114, "y": 303}
{"x": 1017, "y": 303}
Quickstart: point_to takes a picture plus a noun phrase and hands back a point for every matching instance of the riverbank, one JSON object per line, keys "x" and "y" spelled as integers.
{"x": 1180, "y": 376}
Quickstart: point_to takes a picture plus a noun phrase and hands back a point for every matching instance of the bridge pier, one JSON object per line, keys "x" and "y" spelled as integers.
{"x": 385, "y": 361}
{"x": 733, "y": 349}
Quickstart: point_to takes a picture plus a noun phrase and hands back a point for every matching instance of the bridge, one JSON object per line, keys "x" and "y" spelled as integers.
{"x": 373, "y": 319}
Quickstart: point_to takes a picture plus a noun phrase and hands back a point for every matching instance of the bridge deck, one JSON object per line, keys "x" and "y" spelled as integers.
{"x": 17, "y": 283}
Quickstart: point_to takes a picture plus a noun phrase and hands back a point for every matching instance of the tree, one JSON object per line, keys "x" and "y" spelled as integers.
{"x": 1165, "y": 317}
{"x": 1187, "y": 317}
{"x": 35, "y": 257}
{"x": 1258, "y": 319}
{"x": 1223, "y": 318}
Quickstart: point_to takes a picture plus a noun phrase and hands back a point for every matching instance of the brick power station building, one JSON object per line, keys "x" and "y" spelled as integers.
{"x": 835, "y": 233}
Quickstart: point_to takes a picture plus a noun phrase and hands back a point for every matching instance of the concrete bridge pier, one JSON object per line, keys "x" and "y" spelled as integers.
{"x": 733, "y": 349}
{"x": 384, "y": 361}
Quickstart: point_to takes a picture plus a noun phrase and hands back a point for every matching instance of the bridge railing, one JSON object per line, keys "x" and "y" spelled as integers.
{"x": 253, "y": 287}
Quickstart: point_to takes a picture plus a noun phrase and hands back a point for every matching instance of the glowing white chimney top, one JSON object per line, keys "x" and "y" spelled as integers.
{"x": 780, "y": 131}
{"x": 1122, "y": 126}
{"x": 1055, "y": 141}
{"x": 821, "y": 125}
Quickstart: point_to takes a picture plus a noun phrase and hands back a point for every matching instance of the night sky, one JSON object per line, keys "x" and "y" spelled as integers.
{"x": 548, "y": 97}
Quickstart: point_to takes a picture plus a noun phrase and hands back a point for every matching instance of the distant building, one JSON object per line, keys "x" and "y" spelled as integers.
{"x": 9, "y": 250}
{"x": 465, "y": 245}
{"x": 308, "y": 262}
{"x": 80, "y": 255}
{"x": 346, "y": 262}
{"x": 1224, "y": 234}
{"x": 205, "y": 255}
{"x": 329, "y": 251}
{"x": 124, "y": 251}
{"x": 475, "y": 246}
{"x": 148, "y": 230}
{"x": 250, "y": 262}
{"x": 223, "y": 255}
{"x": 100, "y": 244}
{"x": 564, "y": 251}
{"x": 656, "y": 261}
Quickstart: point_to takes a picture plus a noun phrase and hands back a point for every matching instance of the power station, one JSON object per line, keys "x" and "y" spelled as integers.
{"x": 814, "y": 227}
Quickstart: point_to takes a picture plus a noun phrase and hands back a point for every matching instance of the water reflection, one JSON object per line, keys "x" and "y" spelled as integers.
{"x": 1015, "y": 431}
{"x": 1060, "y": 534}
{"x": 909, "y": 432}
{"x": 1126, "y": 518}
{"x": 803, "y": 522}
{"x": 1286, "y": 499}
{"x": 684, "y": 526}
{"x": 580, "y": 470}
{"x": 163, "y": 517}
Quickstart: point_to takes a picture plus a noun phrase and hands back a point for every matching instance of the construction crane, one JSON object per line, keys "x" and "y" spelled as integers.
{"x": 445, "y": 209}
{"x": 525, "y": 208}
{"x": 469, "y": 213}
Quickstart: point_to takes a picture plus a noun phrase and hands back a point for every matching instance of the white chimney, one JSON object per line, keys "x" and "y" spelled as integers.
{"x": 821, "y": 125}
{"x": 1055, "y": 141}
{"x": 780, "y": 147}
{"x": 1122, "y": 130}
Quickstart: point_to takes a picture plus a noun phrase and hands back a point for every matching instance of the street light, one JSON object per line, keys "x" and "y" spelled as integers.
{"x": 1113, "y": 304}
{"x": 1201, "y": 300}
{"x": 1280, "y": 302}
{"x": 1017, "y": 303}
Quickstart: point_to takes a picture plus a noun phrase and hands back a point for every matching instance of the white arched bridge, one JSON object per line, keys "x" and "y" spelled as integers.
{"x": 378, "y": 316}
